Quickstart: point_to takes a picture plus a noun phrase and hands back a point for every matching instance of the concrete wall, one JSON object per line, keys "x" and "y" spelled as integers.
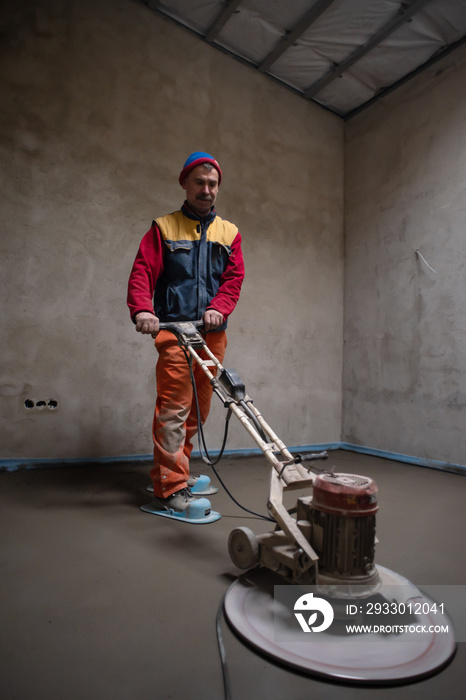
{"x": 102, "y": 101}
{"x": 405, "y": 325}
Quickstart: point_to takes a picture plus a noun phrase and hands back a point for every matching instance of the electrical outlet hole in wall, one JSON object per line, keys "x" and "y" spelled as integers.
{"x": 51, "y": 404}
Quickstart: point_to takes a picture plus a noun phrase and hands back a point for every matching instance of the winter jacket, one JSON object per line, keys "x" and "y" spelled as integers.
{"x": 186, "y": 265}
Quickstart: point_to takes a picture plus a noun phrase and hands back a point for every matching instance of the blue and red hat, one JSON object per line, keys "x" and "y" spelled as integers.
{"x": 195, "y": 159}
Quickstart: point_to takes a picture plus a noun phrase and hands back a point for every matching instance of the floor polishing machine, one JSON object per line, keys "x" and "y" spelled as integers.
{"x": 325, "y": 542}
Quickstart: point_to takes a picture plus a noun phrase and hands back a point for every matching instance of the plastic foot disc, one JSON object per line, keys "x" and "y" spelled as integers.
{"x": 385, "y": 659}
{"x": 202, "y": 487}
{"x": 197, "y": 513}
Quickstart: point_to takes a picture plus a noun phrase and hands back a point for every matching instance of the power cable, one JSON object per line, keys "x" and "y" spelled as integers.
{"x": 221, "y": 650}
{"x": 203, "y": 447}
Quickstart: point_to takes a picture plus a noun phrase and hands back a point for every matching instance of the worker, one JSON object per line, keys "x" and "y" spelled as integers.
{"x": 189, "y": 267}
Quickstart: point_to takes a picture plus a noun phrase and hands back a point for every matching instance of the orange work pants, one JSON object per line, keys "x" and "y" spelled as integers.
{"x": 175, "y": 417}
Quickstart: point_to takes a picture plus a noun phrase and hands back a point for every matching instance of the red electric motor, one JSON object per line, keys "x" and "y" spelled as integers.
{"x": 341, "y": 516}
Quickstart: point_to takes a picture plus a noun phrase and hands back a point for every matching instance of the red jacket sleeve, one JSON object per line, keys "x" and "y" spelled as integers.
{"x": 147, "y": 268}
{"x": 230, "y": 283}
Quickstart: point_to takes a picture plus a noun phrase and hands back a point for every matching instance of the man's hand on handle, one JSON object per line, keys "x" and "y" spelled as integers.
{"x": 147, "y": 323}
{"x": 212, "y": 319}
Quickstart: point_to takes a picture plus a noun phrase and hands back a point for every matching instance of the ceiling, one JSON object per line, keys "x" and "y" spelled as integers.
{"x": 340, "y": 54}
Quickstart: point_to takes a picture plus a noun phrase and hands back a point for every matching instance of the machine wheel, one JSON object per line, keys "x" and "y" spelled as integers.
{"x": 243, "y": 548}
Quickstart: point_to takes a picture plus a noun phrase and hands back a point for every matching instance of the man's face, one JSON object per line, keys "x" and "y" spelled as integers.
{"x": 201, "y": 187}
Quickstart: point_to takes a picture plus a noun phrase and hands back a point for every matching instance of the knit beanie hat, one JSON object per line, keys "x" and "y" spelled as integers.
{"x": 196, "y": 159}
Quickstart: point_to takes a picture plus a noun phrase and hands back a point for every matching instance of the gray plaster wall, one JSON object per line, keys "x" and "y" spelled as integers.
{"x": 405, "y": 324}
{"x": 102, "y": 101}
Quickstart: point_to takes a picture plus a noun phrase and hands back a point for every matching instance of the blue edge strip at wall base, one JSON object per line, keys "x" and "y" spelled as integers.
{"x": 29, "y": 463}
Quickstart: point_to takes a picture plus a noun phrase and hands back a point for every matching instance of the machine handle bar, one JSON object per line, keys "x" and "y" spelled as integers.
{"x": 174, "y": 325}
{"x": 310, "y": 456}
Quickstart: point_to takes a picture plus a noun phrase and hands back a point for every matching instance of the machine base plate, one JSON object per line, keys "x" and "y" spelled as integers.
{"x": 371, "y": 658}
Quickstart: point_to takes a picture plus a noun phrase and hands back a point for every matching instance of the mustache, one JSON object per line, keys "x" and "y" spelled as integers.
{"x": 204, "y": 197}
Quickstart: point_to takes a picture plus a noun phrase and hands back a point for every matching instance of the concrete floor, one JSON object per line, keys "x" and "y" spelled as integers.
{"x": 100, "y": 600}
